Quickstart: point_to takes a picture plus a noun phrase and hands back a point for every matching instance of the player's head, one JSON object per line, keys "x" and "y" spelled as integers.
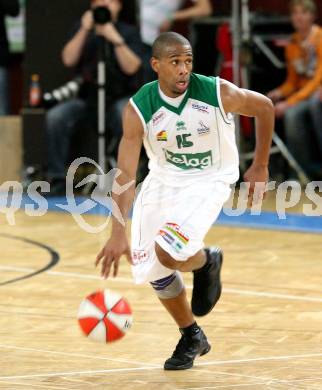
{"x": 172, "y": 61}
{"x": 302, "y": 14}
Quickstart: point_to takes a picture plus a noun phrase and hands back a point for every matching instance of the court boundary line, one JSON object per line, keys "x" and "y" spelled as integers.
{"x": 53, "y": 261}
{"x": 75, "y": 355}
{"x": 46, "y": 387}
{"x": 264, "y": 294}
{"x": 229, "y": 374}
{"x": 267, "y": 220}
{"x": 270, "y": 382}
{"x": 213, "y": 363}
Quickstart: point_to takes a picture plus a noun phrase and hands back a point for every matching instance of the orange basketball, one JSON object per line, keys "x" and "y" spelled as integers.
{"x": 104, "y": 316}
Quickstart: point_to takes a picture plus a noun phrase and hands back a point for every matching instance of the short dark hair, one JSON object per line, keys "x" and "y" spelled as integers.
{"x": 167, "y": 39}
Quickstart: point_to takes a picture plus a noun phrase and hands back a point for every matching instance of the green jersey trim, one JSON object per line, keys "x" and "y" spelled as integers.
{"x": 176, "y": 110}
{"x": 137, "y": 110}
{"x": 204, "y": 89}
{"x": 146, "y": 100}
{"x": 221, "y": 107}
{"x": 201, "y": 88}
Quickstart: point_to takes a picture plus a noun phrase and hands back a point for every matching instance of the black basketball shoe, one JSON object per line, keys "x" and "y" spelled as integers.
{"x": 206, "y": 283}
{"x": 192, "y": 344}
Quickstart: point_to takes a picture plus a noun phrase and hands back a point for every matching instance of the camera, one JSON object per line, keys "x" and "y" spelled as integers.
{"x": 101, "y": 15}
{"x": 65, "y": 92}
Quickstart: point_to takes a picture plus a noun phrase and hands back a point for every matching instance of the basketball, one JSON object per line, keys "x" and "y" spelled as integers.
{"x": 104, "y": 316}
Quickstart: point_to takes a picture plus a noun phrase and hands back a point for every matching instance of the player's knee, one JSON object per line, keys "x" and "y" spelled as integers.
{"x": 169, "y": 287}
{"x": 165, "y": 259}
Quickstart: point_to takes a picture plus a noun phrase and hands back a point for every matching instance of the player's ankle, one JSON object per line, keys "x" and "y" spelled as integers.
{"x": 190, "y": 330}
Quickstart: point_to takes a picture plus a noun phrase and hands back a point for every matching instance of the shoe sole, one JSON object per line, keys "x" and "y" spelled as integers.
{"x": 206, "y": 350}
{"x": 201, "y": 314}
{"x": 189, "y": 365}
{"x": 221, "y": 260}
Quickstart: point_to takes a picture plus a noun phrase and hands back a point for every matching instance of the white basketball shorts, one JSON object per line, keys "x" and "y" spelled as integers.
{"x": 177, "y": 218}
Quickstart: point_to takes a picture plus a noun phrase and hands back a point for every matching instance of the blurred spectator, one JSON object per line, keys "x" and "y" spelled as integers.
{"x": 7, "y": 7}
{"x": 293, "y": 99}
{"x": 316, "y": 118}
{"x": 159, "y": 16}
{"x": 123, "y": 62}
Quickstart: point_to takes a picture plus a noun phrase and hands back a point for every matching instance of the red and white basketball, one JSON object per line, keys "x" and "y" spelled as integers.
{"x": 104, "y": 316}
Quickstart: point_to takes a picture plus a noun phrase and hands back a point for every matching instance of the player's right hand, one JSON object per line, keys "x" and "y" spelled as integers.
{"x": 87, "y": 21}
{"x": 110, "y": 255}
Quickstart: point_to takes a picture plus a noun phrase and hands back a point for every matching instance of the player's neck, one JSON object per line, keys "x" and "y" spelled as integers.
{"x": 168, "y": 93}
{"x": 173, "y": 101}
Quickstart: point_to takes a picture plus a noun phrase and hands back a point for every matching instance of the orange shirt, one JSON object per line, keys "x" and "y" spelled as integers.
{"x": 304, "y": 66}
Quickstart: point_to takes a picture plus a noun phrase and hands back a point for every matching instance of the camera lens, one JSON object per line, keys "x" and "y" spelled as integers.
{"x": 101, "y": 15}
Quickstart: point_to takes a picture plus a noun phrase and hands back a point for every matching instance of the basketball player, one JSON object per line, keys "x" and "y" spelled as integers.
{"x": 185, "y": 122}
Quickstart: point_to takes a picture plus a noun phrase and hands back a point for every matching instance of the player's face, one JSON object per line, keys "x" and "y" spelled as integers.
{"x": 174, "y": 69}
{"x": 302, "y": 19}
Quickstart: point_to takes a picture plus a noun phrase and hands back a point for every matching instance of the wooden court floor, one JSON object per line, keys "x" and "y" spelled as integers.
{"x": 266, "y": 331}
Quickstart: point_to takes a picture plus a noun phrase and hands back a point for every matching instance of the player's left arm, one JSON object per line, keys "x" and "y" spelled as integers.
{"x": 249, "y": 103}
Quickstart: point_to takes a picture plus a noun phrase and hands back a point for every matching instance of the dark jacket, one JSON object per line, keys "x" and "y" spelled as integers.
{"x": 11, "y": 8}
{"x": 118, "y": 84}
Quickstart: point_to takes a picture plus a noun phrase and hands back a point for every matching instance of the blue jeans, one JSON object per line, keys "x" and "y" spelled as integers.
{"x": 60, "y": 126}
{"x": 316, "y": 115}
{"x": 4, "y": 95}
{"x": 61, "y": 123}
{"x": 302, "y": 124}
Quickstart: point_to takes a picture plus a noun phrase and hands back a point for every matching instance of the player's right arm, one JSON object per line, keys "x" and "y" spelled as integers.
{"x": 250, "y": 103}
{"x": 128, "y": 159}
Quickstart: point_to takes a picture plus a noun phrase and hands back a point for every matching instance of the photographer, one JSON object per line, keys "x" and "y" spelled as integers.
{"x": 7, "y": 7}
{"x": 124, "y": 50}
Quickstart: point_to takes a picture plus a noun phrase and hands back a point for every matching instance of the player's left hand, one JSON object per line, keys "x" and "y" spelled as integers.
{"x": 109, "y": 257}
{"x": 257, "y": 177}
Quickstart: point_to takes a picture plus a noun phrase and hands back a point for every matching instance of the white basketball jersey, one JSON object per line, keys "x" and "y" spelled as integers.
{"x": 195, "y": 140}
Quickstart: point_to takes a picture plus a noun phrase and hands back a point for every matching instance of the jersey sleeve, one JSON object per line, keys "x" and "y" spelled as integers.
{"x": 137, "y": 110}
